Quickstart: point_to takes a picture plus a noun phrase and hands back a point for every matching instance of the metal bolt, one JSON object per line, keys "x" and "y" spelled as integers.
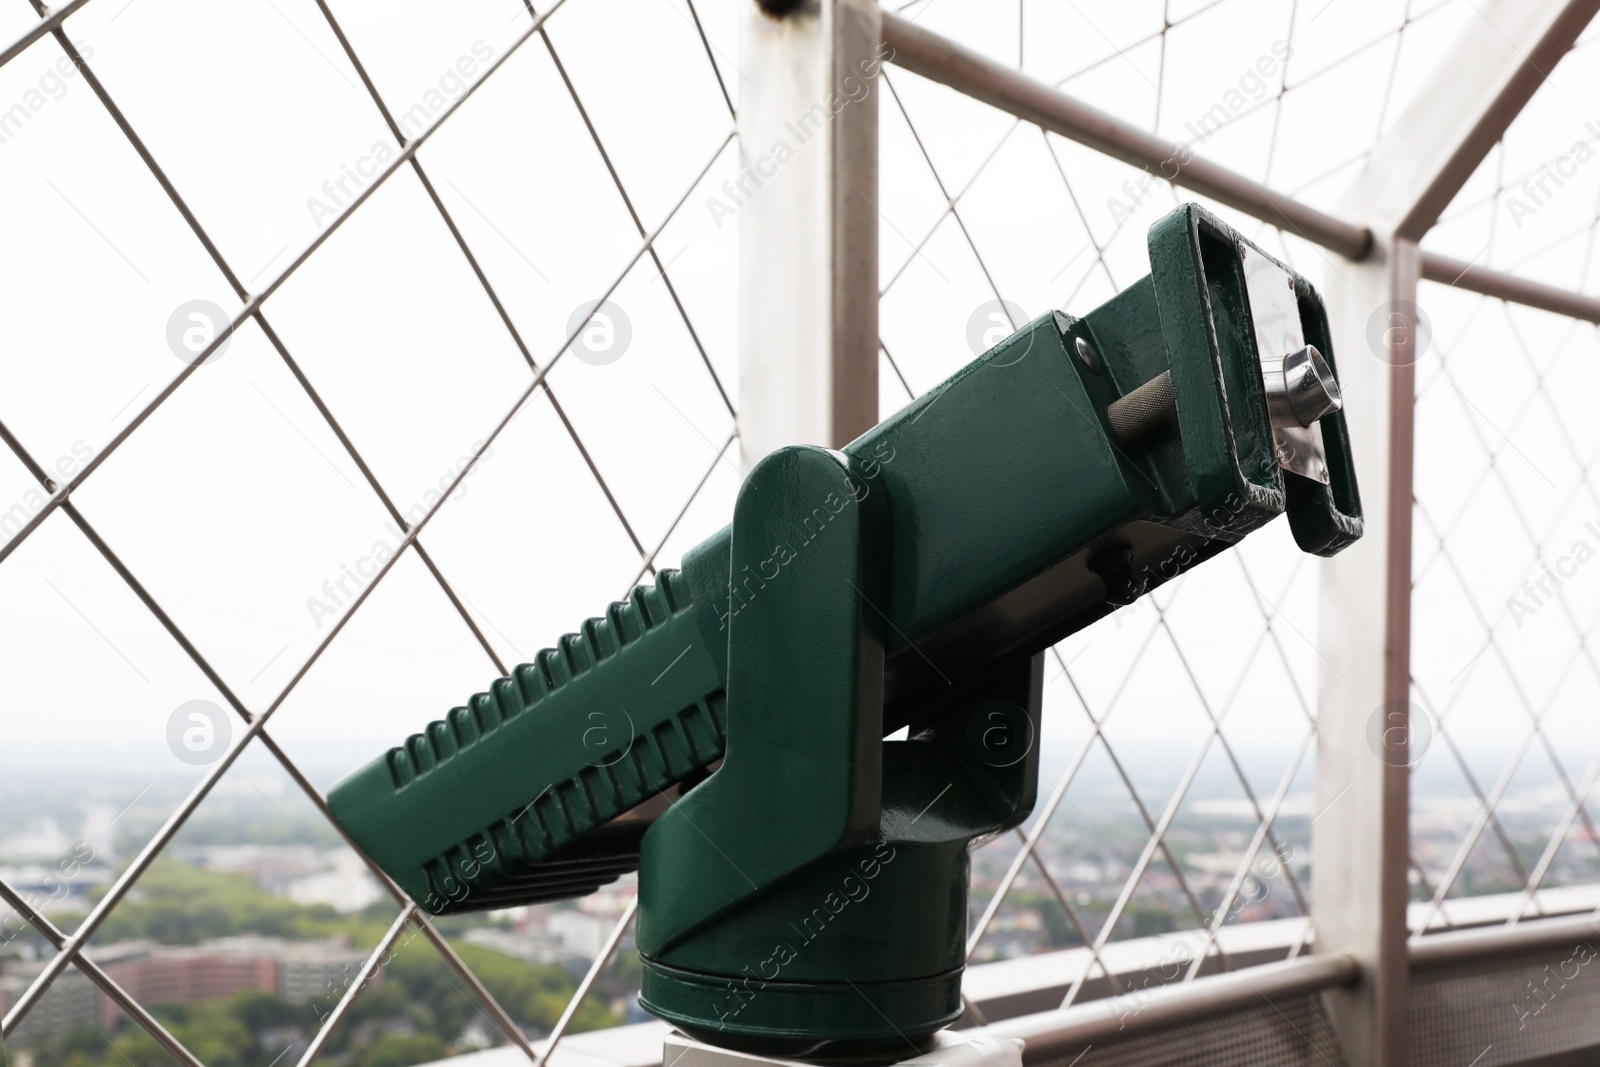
{"x": 1086, "y": 353}
{"x": 1310, "y": 386}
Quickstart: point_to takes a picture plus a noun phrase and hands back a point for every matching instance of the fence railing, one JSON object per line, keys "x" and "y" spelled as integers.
{"x": 797, "y": 380}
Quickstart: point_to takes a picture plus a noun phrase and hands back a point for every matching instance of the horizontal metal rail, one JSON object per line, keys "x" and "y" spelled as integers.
{"x": 1459, "y": 948}
{"x": 968, "y": 72}
{"x": 973, "y": 74}
{"x": 1510, "y": 287}
{"x": 1052, "y": 1035}
{"x": 1056, "y": 1036}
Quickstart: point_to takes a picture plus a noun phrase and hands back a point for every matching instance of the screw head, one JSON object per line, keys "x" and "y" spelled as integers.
{"x": 1086, "y": 353}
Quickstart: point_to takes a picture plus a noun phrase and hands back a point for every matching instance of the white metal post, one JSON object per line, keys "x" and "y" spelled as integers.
{"x": 1360, "y": 832}
{"x": 808, "y": 240}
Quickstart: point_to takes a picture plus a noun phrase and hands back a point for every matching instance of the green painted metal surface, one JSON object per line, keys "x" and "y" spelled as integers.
{"x": 808, "y": 896}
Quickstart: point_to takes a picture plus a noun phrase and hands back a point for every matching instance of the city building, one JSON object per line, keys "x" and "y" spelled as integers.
{"x": 172, "y": 974}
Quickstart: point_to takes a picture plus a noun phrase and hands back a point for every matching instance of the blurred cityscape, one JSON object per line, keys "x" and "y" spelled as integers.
{"x": 252, "y": 925}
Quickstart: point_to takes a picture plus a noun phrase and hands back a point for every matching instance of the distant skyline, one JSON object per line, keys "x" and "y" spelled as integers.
{"x": 1147, "y": 758}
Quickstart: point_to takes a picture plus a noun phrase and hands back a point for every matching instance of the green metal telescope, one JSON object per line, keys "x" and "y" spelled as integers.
{"x": 807, "y": 896}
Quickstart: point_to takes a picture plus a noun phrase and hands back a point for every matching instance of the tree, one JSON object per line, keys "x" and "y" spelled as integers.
{"x": 402, "y": 1050}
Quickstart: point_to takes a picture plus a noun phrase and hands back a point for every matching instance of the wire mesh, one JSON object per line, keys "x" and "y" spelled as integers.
{"x": 409, "y": 525}
{"x": 1179, "y": 733}
{"x": 1504, "y": 785}
{"x": 1503, "y": 679}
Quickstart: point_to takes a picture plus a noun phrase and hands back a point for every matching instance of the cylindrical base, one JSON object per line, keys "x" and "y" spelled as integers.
{"x": 867, "y": 1021}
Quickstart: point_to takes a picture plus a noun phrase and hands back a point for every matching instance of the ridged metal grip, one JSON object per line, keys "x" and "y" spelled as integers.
{"x": 1154, "y": 404}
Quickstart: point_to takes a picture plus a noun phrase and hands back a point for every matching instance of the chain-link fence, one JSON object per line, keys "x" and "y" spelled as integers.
{"x": 611, "y": 302}
{"x": 1503, "y": 678}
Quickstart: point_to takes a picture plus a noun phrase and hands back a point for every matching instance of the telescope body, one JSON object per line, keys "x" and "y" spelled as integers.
{"x": 808, "y": 895}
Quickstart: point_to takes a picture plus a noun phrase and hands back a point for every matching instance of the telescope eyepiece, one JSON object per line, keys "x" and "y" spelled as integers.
{"x": 1309, "y": 386}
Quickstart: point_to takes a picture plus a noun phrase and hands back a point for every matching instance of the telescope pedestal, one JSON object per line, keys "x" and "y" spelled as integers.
{"x": 809, "y": 899}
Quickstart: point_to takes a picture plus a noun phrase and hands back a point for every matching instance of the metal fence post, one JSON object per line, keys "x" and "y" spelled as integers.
{"x": 808, "y": 239}
{"x": 1360, "y": 831}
